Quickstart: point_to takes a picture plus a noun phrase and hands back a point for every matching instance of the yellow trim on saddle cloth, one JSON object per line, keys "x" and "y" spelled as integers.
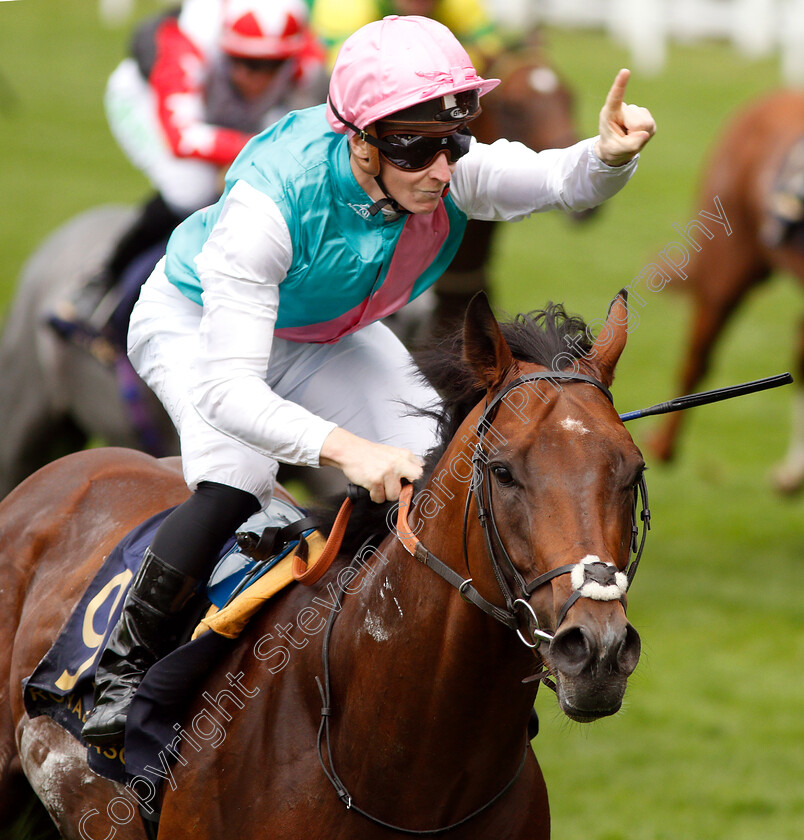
{"x": 232, "y": 619}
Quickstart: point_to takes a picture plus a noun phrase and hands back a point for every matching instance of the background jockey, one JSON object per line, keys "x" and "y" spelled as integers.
{"x": 334, "y": 21}
{"x": 259, "y": 330}
{"x": 199, "y": 84}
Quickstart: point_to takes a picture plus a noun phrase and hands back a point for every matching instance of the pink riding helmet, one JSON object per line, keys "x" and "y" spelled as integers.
{"x": 394, "y": 63}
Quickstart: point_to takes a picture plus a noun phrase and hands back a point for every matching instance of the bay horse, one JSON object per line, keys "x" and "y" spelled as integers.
{"x": 54, "y": 397}
{"x": 427, "y": 684}
{"x": 743, "y": 174}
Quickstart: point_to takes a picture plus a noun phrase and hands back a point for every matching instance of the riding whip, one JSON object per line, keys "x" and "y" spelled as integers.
{"x": 705, "y": 397}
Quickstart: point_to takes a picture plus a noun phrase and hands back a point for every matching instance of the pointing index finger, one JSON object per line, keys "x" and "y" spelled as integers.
{"x": 614, "y": 99}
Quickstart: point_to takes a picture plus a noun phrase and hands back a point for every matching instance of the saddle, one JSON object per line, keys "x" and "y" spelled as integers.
{"x": 271, "y": 550}
{"x": 266, "y": 558}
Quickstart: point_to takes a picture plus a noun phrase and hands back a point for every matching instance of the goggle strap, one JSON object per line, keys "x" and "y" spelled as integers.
{"x": 360, "y": 132}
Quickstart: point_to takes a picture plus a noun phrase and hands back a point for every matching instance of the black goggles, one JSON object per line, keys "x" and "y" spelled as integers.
{"x": 417, "y": 151}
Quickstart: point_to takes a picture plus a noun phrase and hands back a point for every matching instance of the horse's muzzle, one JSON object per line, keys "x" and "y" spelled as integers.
{"x": 592, "y": 669}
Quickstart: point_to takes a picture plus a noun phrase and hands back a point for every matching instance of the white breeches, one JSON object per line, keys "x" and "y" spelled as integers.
{"x": 185, "y": 184}
{"x": 364, "y": 383}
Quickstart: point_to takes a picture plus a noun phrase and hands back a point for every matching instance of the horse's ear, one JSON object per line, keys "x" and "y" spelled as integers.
{"x": 484, "y": 348}
{"x": 610, "y": 342}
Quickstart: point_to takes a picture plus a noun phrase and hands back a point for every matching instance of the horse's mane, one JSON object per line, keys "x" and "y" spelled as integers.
{"x": 548, "y": 337}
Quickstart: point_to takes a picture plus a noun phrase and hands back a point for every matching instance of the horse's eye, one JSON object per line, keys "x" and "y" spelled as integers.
{"x": 502, "y": 474}
{"x": 639, "y": 476}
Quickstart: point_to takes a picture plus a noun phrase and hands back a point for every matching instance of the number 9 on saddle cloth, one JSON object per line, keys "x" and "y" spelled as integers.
{"x": 62, "y": 685}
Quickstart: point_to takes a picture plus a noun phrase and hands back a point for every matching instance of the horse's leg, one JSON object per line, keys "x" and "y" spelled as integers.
{"x": 37, "y": 758}
{"x": 719, "y": 277}
{"x": 21, "y": 812}
{"x": 788, "y": 475}
{"x": 81, "y": 804}
{"x": 24, "y": 816}
{"x": 55, "y": 531}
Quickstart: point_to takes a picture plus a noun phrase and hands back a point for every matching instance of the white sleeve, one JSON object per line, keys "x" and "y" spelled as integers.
{"x": 241, "y": 265}
{"x": 508, "y": 181}
{"x": 200, "y": 20}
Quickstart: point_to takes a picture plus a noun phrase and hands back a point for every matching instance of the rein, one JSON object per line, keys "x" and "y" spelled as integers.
{"x": 328, "y": 766}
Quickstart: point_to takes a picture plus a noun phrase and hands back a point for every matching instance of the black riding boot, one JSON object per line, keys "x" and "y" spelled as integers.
{"x": 152, "y": 618}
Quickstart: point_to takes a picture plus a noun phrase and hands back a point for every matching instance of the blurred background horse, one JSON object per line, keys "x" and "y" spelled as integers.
{"x": 756, "y": 170}
{"x": 55, "y": 397}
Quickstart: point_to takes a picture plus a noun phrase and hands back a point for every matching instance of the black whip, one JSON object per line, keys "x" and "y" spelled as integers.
{"x": 705, "y": 397}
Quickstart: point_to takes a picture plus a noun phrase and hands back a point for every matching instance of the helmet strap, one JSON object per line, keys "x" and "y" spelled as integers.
{"x": 368, "y": 160}
{"x": 388, "y": 201}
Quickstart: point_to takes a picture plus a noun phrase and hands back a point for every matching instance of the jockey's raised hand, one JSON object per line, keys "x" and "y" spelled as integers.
{"x": 377, "y": 467}
{"x": 624, "y": 129}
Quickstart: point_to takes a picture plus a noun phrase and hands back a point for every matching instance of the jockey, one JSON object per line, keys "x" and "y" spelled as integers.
{"x": 199, "y": 84}
{"x": 334, "y": 20}
{"x": 259, "y": 330}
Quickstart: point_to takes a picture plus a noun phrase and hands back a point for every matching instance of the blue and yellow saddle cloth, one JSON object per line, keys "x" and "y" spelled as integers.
{"x": 62, "y": 685}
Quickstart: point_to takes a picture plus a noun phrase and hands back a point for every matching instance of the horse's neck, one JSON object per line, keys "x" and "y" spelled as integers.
{"x": 438, "y": 666}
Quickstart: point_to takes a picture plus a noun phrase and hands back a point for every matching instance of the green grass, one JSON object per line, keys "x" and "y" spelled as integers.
{"x": 710, "y": 742}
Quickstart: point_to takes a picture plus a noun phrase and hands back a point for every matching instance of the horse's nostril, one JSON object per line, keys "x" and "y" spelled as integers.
{"x": 629, "y": 652}
{"x": 570, "y": 651}
{"x": 573, "y": 649}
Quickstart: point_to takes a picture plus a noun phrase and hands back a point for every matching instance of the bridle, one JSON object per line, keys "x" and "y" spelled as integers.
{"x": 610, "y": 583}
{"x": 591, "y": 577}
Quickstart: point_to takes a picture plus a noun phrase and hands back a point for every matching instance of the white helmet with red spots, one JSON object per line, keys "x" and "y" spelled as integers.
{"x": 264, "y": 29}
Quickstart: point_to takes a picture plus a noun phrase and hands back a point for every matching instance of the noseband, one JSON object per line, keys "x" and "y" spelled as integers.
{"x": 591, "y": 577}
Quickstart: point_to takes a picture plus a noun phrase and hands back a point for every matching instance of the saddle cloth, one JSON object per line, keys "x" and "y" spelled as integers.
{"x": 62, "y": 684}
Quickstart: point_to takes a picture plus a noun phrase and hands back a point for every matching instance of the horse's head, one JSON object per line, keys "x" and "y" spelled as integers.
{"x": 531, "y": 104}
{"x": 555, "y": 487}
